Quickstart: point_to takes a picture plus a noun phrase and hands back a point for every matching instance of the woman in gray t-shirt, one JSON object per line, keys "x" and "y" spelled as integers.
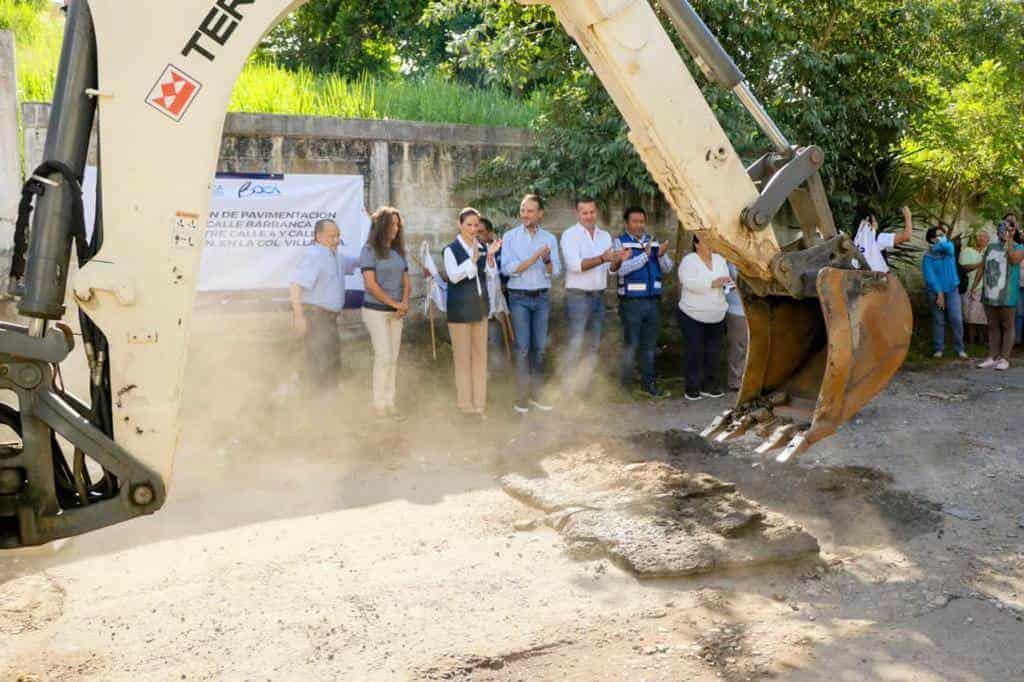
{"x": 386, "y": 303}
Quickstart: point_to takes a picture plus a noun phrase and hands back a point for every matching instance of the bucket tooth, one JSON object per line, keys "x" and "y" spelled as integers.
{"x": 780, "y": 436}
{"x": 721, "y": 423}
{"x": 796, "y": 446}
{"x": 737, "y": 429}
{"x": 766, "y": 428}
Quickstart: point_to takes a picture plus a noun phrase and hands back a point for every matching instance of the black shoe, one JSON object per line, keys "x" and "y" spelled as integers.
{"x": 654, "y": 391}
{"x": 712, "y": 393}
{"x": 693, "y": 395}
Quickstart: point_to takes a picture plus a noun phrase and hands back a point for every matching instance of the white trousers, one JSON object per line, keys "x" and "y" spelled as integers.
{"x": 386, "y": 336}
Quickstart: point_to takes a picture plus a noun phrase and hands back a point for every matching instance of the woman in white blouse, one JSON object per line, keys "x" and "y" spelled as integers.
{"x": 469, "y": 264}
{"x": 703, "y": 278}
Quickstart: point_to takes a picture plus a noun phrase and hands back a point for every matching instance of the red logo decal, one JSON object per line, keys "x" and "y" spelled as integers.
{"x": 174, "y": 93}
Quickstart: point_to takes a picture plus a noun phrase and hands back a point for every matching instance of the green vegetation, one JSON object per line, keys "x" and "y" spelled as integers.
{"x": 271, "y": 89}
{"x": 970, "y": 144}
{"x": 38, "y": 31}
{"x": 266, "y": 88}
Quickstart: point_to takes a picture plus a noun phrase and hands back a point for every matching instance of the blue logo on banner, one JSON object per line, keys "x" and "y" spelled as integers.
{"x": 250, "y": 189}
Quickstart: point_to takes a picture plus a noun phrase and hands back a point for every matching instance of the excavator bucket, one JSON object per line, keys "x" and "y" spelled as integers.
{"x": 812, "y": 364}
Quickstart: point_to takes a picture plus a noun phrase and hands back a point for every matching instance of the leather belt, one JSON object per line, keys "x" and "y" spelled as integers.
{"x": 317, "y": 310}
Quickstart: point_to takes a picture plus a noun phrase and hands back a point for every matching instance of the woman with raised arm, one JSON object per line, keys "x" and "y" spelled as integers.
{"x": 1001, "y": 288}
{"x": 468, "y": 264}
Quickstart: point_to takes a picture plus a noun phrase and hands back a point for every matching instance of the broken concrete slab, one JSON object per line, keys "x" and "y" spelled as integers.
{"x": 654, "y": 518}
{"x": 962, "y": 513}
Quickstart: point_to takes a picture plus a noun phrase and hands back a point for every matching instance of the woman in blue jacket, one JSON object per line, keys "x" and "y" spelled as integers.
{"x": 941, "y": 284}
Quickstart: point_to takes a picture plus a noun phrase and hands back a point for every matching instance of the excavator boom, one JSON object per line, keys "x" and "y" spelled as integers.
{"x": 157, "y": 77}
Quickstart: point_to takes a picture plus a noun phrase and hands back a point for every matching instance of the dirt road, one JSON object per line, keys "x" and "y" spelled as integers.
{"x": 327, "y": 548}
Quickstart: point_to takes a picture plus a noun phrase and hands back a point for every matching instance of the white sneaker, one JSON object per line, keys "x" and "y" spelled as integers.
{"x": 937, "y": 354}
{"x": 963, "y": 355}
{"x": 541, "y": 406}
{"x": 1003, "y": 365}
{"x": 989, "y": 362}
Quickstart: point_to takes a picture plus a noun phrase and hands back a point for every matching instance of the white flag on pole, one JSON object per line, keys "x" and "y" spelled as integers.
{"x": 438, "y": 287}
{"x": 498, "y": 303}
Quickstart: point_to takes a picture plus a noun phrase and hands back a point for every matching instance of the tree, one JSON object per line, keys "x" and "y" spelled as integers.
{"x": 970, "y": 142}
{"x": 832, "y": 73}
{"x": 353, "y": 38}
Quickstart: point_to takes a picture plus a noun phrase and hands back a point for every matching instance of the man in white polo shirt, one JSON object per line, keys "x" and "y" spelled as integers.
{"x": 587, "y": 253}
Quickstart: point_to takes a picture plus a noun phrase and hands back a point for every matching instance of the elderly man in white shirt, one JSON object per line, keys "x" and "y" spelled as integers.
{"x": 587, "y": 254}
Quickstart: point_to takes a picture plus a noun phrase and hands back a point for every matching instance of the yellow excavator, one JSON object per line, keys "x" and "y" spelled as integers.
{"x": 826, "y": 333}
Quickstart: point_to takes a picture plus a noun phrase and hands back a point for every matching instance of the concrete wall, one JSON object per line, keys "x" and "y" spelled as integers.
{"x": 10, "y": 163}
{"x": 414, "y": 166}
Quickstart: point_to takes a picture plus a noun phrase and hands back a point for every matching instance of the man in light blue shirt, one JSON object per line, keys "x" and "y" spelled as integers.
{"x": 529, "y": 258}
{"x": 317, "y": 295}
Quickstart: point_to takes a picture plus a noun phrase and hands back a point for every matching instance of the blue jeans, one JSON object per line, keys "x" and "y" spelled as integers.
{"x": 530, "y": 322}
{"x": 954, "y": 314}
{"x": 585, "y": 312}
{"x": 641, "y": 322}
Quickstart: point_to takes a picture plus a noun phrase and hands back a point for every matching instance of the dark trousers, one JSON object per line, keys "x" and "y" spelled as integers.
{"x": 1000, "y": 330}
{"x": 323, "y": 348}
{"x": 641, "y": 322}
{"x": 702, "y": 353}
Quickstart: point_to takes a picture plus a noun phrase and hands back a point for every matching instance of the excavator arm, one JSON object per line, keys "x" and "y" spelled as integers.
{"x": 156, "y": 77}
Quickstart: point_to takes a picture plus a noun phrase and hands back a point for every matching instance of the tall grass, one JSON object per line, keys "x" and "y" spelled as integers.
{"x": 266, "y": 88}
{"x": 38, "y": 32}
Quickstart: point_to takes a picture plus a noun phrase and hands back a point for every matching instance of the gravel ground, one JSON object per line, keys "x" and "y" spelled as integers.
{"x": 317, "y": 545}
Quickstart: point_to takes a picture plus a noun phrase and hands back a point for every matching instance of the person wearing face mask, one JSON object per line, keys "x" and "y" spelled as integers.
{"x": 872, "y": 244}
{"x": 942, "y": 286}
{"x": 1001, "y": 277}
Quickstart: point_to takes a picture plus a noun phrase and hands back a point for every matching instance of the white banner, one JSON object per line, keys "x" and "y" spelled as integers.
{"x": 259, "y": 226}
